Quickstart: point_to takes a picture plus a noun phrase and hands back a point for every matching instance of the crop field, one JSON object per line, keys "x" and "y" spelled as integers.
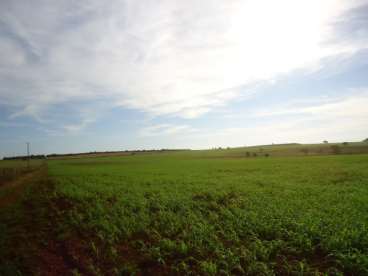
{"x": 197, "y": 213}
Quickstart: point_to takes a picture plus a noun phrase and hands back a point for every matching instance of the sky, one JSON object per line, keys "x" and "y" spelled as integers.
{"x": 90, "y": 75}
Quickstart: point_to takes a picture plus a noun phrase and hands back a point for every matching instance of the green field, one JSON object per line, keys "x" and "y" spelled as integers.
{"x": 208, "y": 213}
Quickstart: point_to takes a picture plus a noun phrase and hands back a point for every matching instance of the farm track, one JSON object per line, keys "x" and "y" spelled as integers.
{"x": 13, "y": 190}
{"x": 31, "y": 240}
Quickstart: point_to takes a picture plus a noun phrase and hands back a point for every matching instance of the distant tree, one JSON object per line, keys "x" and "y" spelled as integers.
{"x": 325, "y": 142}
{"x": 345, "y": 143}
{"x": 305, "y": 151}
{"x": 254, "y": 154}
{"x": 365, "y": 140}
{"x": 247, "y": 154}
{"x": 335, "y": 149}
{"x": 267, "y": 155}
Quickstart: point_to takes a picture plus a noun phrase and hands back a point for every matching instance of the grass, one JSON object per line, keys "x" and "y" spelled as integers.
{"x": 214, "y": 212}
{"x": 11, "y": 170}
{"x": 20, "y": 163}
{"x": 200, "y": 213}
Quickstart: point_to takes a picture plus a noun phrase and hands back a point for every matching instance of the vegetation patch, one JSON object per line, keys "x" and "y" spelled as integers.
{"x": 180, "y": 214}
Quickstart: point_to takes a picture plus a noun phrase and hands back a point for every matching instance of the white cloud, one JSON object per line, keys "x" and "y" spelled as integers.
{"x": 335, "y": 119}
{"x": 78, "y": 127}
{"x": 354, "y": 105}
{"x": 180, "y": 58}
{"x": 165, "y": 130}
{"x": 10, "y": 53}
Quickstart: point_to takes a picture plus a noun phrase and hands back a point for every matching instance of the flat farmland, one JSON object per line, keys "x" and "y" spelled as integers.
{"x": 187, "y": 213}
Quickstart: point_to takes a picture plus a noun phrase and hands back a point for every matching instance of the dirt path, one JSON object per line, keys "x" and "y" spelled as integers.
{"x": 31, "y": 236}
{"x": 14, "y": 189}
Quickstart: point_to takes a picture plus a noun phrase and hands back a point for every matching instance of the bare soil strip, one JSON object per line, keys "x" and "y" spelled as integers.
{"x": 14, "y": 189}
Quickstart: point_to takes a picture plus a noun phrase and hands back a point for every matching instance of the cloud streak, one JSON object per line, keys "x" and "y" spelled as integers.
{"x": 166, "y": 130}
{"x": 176, "y": 58}
{"x": 337, "y": 120}
{"x": 352, "y": 106}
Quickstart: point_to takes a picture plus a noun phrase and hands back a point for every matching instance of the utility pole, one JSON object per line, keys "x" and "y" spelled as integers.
{"x": 28, "y": 155}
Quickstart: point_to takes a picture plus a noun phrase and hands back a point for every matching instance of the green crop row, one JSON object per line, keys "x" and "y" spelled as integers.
{"x": 185, "y": 214}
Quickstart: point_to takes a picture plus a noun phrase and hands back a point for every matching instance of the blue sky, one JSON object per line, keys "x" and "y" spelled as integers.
{"x": 94, "y": 75}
